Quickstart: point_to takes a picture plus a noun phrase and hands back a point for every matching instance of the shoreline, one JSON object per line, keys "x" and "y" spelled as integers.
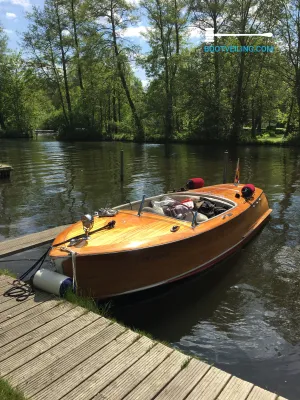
{"x": 163, "y": 141}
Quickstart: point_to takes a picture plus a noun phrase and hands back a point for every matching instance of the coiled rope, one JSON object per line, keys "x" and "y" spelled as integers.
{"x": 22, "y": 290}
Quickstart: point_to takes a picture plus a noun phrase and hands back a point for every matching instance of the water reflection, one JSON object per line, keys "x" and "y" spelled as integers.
{"x": 244, "y": 317}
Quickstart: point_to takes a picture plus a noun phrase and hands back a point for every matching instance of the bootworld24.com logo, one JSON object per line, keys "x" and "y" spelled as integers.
{"x": 209, "y": 38}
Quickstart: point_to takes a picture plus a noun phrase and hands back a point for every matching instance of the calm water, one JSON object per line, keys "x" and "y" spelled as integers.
{"x": 245, "y": 316}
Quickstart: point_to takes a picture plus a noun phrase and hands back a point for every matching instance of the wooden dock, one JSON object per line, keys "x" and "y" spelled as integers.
{"x": 22, "y": 243}
{"x": 51, "y": 349}
{"x": 5, "y": 170}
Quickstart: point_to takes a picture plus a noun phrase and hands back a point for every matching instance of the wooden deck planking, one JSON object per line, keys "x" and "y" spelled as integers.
{"x": 27, "y": 371}
{"x": 107, "y": 374}
{"x": 53, "y": 350}
{"x": 37, "y": 335}
{"x": 40, "y": 321}
{"x": 63, "y": 385}
{"x": 74, "y": 322}
{"x": 24, "y": 312}
{"x": 61, "y": 366}
{"x": 159, "y": 378}
{"x": 258, "y": 393}
{"x": 210, "y": 386}
{"x": 22, "y": 243}
{"x": 185, "y": 381}
{"x": 126, "y": 382}
{"x": 236, "y": 389}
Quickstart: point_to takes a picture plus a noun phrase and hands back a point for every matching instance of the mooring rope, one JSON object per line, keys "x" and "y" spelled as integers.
{"x": 22, "y": 290}
{"x": 73, "y": 255}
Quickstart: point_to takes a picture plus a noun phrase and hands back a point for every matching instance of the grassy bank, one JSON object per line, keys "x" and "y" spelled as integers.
{"x": 9, "y": 393}
{"x": 267, "y": 138}
{"x": 7, "y": 273}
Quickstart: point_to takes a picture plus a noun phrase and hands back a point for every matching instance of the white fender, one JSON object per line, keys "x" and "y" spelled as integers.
{"x": 51, "y": 281}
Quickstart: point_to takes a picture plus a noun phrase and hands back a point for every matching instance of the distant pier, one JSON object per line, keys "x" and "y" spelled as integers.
{"x": 23, "y": 243}
{"x": 5, "y": 171}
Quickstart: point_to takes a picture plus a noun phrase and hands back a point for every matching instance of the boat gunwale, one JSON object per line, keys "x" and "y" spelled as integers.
{"x": 150, "y": 215}
{"x": 221, "y": 257}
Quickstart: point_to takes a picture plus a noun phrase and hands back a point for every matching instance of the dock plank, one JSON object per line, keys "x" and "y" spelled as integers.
{"x": 82, "y": 372}
{"x": 104, "y": 376}
{"x": 126, "y": 382}
{"x": 54, "y": 350}
{"x": 10, "y": 303}
{"x": 25, "y": 311}
{"x": 210, "y": 386}
{"x": 6, "y": 338}
{"x": 184, "y": 382}
{"x": 159, "y": 378}
{"x": 38, "y": 334}
{"x": 258, "y": 393}
{"x": 48, "y": 375}
{"x": 22, "y": 243}
{"x": 77, "y": 320}
{"x": 94, "y": 325}
{"x": 236, "y": 389}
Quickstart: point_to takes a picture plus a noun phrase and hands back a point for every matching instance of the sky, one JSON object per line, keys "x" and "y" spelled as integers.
{"x": 13, "y": 20}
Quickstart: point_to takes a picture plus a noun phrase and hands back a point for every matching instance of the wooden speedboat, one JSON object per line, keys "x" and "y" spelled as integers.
{"x": 145, "y": 248}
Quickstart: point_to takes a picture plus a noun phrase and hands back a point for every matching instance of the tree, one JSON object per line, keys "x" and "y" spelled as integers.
{"x": 114, "y": 16}
{"x": 289, "y": 29}
{"x": 166, "y": 37}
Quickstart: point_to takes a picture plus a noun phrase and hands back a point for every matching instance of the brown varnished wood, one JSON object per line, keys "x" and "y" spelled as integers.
{"x": 132, "y": 232}
{"x": 141, "y": 251}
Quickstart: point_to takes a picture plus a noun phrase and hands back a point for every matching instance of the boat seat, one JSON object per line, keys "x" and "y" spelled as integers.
{"x": 154, "y": 210}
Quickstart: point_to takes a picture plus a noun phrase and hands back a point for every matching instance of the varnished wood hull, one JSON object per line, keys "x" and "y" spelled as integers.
{"x": 108, "y": 274}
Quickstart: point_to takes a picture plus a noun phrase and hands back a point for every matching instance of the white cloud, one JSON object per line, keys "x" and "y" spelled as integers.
{"x": 10, "y": 15}
{"x": 22, "y": 3}
{"x": 145, "y": 83}
{"x": 8, "y": 31}
{"x": 135, "y": 31}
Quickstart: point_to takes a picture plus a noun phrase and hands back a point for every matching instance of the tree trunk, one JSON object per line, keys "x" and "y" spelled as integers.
{"x": 119, "y": 107}
{"x": 58, "y": 84}
{"x": 77, "y": 52}
{"x": 138, "y": 123}
{"x": 298, "y": 94}
{"x": 237, "y": 114}
{"x": 114, "y": 111}
{"x": 109, "y": 116}
{"x": 288, "y": 125}
{"x": 64, "y": 65}
{"x": 253, "y": 126}
{"x": 217, "y": 78}
{"x": 2, "y": 121}
{"x": 173, "y": 85}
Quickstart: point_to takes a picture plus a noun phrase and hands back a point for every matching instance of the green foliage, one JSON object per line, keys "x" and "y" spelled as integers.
{"x": 8, "y": 393}
{"x": 87, "y": 302}
{"x": 77, "y": 77}
{"x": 7, "y": 273}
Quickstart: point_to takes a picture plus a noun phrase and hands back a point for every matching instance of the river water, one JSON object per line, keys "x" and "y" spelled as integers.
{"x": 244, "y": 317}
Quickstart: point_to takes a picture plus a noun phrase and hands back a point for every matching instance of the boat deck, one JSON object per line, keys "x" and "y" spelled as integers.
{"x": 51, "y": 349}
